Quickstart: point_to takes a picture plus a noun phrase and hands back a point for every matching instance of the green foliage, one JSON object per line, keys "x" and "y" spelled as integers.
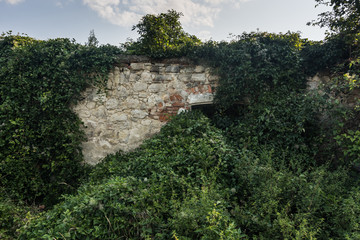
{"x": 170, "y": 181}
{"x": 12, "y": 216}
{"x": 161, "y": 36}
{"x": 254, "y": 64}
{"x": 324, "y": 55}
{"x": 343, "y": 21}
{"x": 350, "y": 144}
{"x": 92, "y": 40}
{"x": 40, "y": 136}
{"x": 188, "y": 183}
{"x": 284, "y": 165}
{"x": 280, "y": 120}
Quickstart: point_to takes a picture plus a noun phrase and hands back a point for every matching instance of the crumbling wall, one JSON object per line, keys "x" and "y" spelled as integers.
{"x": 139, "y": 98}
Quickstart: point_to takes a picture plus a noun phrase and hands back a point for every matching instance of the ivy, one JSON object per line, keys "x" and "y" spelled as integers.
{"x": 40, "y": 154}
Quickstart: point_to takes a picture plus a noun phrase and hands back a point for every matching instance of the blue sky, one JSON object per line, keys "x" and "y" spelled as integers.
{"x": 112, "y": 19}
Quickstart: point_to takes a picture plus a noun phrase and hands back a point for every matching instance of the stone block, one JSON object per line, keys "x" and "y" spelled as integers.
{"x": 126, "y": 72}
{"x": 123, "y": 136}
{"x": 90, "y": 124}
{"x": 199, "y": 69}
{"x": 137, "y": 66}
{"x": 118, "y": 117}
{"x": 146, "y": 122}
{"x": 155, "y": 88}
{"x": 100, "y": 112}
{"x": 163, "y": 78}
{"x": 134, "y": 77}
{"x": 155, "y": 68}
{"x": 172, "y": 69}
{"x": 132, "y": 103}
{"x": 84, "y": 114}
{"x": 138, "y": 114}
{"x": 122, "y": 92}
{"x": 198, "y": 77}
{"x": 143, "y": 95}
{"x": 153, "y": 100}
{"x": 111, "y": 104}
{"x": 140, "y": 86}
{"x": 184, "y": 77}
{"x": 205, "y": 98}
{"x": 146, "y": 77}
{"x": 104, "y": 144}
{"x": 90, "y": 105}
{"x": 101, "y": 97}
{"x": 123, "y": 78}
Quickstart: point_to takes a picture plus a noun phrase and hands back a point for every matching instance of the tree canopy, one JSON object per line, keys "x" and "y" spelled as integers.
{"x": 161, "y": 34}
{"x": 343, "y": 20}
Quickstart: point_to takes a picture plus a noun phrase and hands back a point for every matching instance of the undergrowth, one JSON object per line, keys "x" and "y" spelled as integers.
{"x": 284, "y": 165}
{"x": 189, "y": 182}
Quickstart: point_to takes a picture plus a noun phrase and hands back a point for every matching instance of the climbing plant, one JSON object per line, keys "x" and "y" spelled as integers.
{"x": 40, "y": 136}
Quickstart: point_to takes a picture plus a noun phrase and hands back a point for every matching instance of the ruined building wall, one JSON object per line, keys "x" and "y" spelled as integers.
{"x": 138, "y": 100}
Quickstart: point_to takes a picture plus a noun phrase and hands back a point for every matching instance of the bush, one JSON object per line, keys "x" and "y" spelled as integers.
{"x": 142, "y": 194}
{"x": 40, "y": 136}
{"x": 188, "y": 183}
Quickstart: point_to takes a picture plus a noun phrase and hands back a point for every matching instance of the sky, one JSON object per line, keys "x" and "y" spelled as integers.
{"x": 112, "y": 20}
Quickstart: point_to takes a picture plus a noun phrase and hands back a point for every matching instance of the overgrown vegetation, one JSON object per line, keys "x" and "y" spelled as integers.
{"x": 276, "y": 161}
{"x": 161, "y": 36}
{"x": 39, "y": 133}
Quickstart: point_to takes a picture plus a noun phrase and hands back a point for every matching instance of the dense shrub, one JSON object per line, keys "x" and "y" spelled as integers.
{"x": 40, "y": 136}
{"x": 323, "y": 55}
{"x": 253, "y": 64}
{"x": 284, "y": 165}
{"x": 187, "y": 183}
{"x": 161, "y": 36}
{"x": 175, "y": 178}
{"x": 12, "y": 216}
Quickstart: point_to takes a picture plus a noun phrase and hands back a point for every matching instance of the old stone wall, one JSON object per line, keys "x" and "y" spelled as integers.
{"x": 323, "y": 80}
{"x": 139, "y": 98}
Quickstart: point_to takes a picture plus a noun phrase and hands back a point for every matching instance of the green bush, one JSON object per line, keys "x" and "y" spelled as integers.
{"x": 12, "y": 216}
{"x": 40, "y": 136}
{"x": 253, "y": 64}
{"x": 274, "y": 169}
{"x": 141, "y": 195}
{"x": 161, "y": 36}
{"x": 188, "y": 183}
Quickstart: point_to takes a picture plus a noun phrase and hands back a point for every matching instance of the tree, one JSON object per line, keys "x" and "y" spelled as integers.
{"x": 161, "y": 35}
{"x": 343, "y": 20}
{"x": 92, "y": 40}
{"x": 344, "y": 17}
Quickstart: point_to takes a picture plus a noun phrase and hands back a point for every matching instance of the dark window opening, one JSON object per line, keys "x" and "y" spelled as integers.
{"x": 207, "y": 109}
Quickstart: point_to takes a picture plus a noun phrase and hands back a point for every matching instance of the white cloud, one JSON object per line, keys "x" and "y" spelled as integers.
{"x": 128, "y": 12}
{"x": 204, "y": 35}
{"x": 63, "y": 3}
{"x": 13, "y": 2}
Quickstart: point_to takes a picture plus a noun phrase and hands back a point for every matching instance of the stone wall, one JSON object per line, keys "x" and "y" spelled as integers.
{"x": 323, "y": 80}
{"x": 140, "y": 97}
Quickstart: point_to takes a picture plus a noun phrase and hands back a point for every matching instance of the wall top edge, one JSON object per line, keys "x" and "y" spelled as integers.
{"x": 127, "y": 59}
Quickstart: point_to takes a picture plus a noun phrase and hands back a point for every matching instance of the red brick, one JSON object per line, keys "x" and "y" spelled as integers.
{"x": 201, "y": 88}
{"x": 178, "y": 104}
{"x": 172, "y": 98}
{"x": 165, "y": 117}
{"x": 178, "y": 97}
